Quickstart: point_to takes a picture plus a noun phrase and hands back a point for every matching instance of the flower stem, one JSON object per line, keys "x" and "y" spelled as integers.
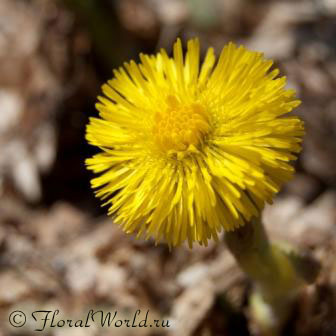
{"x": 278, "y": 274}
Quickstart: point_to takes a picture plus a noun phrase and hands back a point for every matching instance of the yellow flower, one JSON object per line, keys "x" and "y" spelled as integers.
{"x": 189, "y": 150}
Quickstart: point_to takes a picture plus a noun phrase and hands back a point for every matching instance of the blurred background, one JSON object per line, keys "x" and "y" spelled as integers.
{"x": 58, "y": 250}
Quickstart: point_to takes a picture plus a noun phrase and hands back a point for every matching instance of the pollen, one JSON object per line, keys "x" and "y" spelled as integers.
{"x": 180, "y": 126}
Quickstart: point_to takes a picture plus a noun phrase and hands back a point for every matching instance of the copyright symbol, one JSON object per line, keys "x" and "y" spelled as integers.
{"x": 17, "y": 319}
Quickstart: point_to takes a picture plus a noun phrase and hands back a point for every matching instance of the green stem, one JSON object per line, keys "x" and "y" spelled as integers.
{"x": 278, "y": 274}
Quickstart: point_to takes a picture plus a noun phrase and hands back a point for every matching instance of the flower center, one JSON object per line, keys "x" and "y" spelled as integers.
{"x": 179, "y": 126}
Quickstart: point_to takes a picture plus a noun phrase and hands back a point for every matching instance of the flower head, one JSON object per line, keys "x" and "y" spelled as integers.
{"x": 187, "y": 149}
